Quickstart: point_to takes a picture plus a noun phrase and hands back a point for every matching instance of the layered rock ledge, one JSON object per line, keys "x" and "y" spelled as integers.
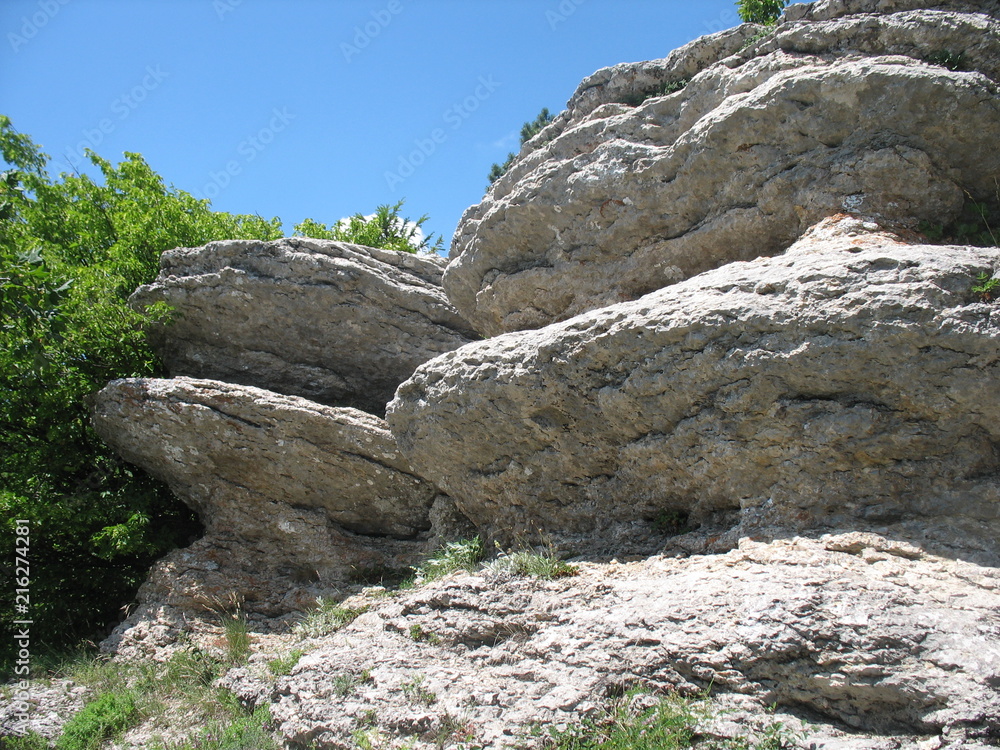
{"x": 851, "y": 382}
{"x": 336, "y": 323}
{"x": 661, "y": 170}
{"x": 295, "y": 497}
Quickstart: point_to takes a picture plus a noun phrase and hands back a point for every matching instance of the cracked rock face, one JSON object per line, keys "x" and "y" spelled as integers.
{"x": 872, "y": 641}
{"x": 336, "y": 323}
{"x": 845, "y": 106}
{"x": 295, "y": 496}
{"x": 853, "y": 382}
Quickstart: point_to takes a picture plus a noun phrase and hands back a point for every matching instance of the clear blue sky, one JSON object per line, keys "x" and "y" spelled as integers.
{"x": 319, "y": 109}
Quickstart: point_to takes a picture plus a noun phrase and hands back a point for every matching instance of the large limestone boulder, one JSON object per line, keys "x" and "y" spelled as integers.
{"x": 886, "y": 108}
{"x": 852, "y": 382}
{"x": 296, "y": 497}
{"x": 336, "y": 323}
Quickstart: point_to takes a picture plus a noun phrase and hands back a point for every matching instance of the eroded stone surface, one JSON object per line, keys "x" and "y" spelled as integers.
{"x": 847, "y": 106}
{"x": 850, "y": 383}
{"x": 864, "y": 633}
{"x": 336, "y": 323}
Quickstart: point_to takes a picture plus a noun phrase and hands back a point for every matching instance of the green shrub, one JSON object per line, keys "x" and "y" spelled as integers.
{"x": 528, "y": 131}
{"x": 662, "y": 89}
{"x": 385, "y": 229}
{"x": 764, "y": 12}
{"x": 109, "y": 715}
{"x": 72, "y": 249}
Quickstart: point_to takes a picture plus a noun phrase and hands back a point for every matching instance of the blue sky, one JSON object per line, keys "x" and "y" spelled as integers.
{"x": 319, "y": 109}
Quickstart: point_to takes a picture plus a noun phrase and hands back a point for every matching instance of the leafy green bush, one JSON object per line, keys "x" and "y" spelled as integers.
{"x": 764, "y": 12}
{"x": 72, "y": 250}
{"x": 386, "y": 229}
{"x": 528, "y": 131}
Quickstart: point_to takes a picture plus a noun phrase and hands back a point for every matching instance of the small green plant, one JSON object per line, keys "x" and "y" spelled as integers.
{"x": 415, "y": 691}
{"x": 461, "y": 555}
{"x": 328, "y": 617}
{"x": 528, "y": 131}
{"x": 987, "y": 287}
{"x": 251, "y": 731}
{"x": 671, "y": 521}
{"x": 546, "y": 565}
{"x": 664, "y": 89}
{"x": 284, "y": 665}
{"x": 764, "y": 12}
{"x": 109, "y": 715}
{"x": 29, "y": 741}
{"x": 947, "y": 59}
{"x": 669, "y": 725}
{"x": 420, "y": 635}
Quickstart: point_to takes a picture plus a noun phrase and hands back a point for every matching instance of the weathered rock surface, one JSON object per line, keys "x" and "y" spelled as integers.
{"x": 856, "y": 633}
{"x": 336, "y": 323}
{"x": 853, "y": 382}
{"x": 845, "y": 106}
{"x": 295, "y": 497}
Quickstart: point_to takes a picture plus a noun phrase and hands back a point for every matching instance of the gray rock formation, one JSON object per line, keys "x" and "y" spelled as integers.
{"x": 295, "y": 496}
{"x": 870, "y": 640}
{"x": 851, "y": 382}
{"x": 338, "y": 324}
{"x": 892, "y": 113}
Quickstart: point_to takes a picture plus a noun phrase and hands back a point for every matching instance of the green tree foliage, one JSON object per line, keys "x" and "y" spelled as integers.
{"x": 528, "y": 131}
{"x": 72, "y": 250}
{"x": 386, "y": 228}
{"x": 761, "y": 11}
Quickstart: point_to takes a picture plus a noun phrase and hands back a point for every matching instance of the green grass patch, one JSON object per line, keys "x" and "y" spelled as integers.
{"x": 466, "y": 554}
{"x": 328, "y": 617}
{"x": 545, "y": 565}
{"x": 107, "y": 716}
{"x": 285, "y": 664}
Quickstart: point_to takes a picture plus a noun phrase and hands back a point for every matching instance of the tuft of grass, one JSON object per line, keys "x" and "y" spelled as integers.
{"x": 108, "y": 716}
{"x": 285, "y": 664}
{"x": 347, "y": 683}
{"x": 527, "y": 562}
{"x": 29, "y": 741}
{"x": 669, "y": 725}
{"x": 415, "y": 691}
{"x": 328, "y": 617}
{"x": 947, "y": 59}
{"x": 420, "y": 635}
{"x": 461, "y": 555}
{"x": 664, "y": 89}
{"x": 251, "y": 731}
{"x": 237, "y": 637}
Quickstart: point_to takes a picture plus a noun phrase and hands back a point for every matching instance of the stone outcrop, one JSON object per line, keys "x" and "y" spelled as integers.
{"x": 295, "y": 497}
{"x": 336, "y": 323}
{"x": 862, "y": 641}
{"x": 851, "y": 382}
{"x": 890, "y": 111}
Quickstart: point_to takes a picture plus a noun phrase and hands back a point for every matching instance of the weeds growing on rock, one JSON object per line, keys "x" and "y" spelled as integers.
{"x": 328, "y": 617}
{"x": 461, "y": 555}
{"x": 285, "y": 664}
{"x": 415, "y": 691}
{"x": 664, "y": 89}
{"x": 546, "y": 565}
{"x": 420, "y": 635}
{"x": 108, "y": 716}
